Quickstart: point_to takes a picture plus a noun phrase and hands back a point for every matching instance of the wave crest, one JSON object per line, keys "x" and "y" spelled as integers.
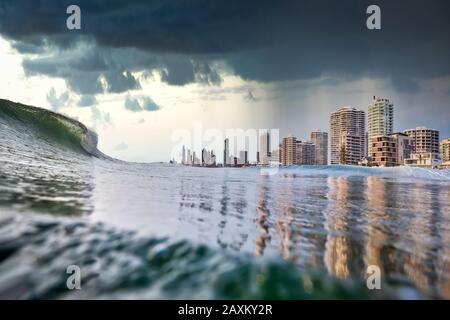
{"x": 57, "y": 127}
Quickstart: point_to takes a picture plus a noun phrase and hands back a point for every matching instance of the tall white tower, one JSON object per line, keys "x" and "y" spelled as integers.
{"x": 380, "y": 117}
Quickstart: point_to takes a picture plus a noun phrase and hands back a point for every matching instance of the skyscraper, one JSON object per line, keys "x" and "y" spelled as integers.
{"x": 380, "y": 117}
{"x": 183, "y": 155}
{"x": 348, "y": 136}
{"x": 226, "y": 152}
{"x": 287, "y": 153}
{"x": 264, "y": 148}
{"x": 320, "y": 139}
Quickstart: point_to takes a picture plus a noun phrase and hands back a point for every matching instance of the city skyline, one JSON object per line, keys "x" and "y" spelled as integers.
{"x": 350, "y": 143}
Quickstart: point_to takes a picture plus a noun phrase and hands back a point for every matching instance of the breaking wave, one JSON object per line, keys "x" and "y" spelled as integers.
{"x": 54, "y": 126}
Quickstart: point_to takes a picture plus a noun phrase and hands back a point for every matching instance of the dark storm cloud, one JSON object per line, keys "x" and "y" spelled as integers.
{"x": 261, "y": 40}
{"x": 177, "y": 72}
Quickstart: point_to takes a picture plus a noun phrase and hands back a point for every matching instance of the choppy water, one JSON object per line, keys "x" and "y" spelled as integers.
{"x": 165, "y": 231}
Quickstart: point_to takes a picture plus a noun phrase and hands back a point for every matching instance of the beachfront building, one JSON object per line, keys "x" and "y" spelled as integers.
{"x": 445, "y": 153}
{"x": 351, "y": 149}
{"x": 425, "y": 147}
{"x": 445, "y": 150}
{"x": 305, "y": 153}
{"x": 287, "y": 150}
{"x": 424, "y": 160}
{"x": 296, "y": 152}
{"x": 404, "y": 147}
{"x": 425, "y": 140}
{"x": 380, "y": 122}
{"x": 320, "y": 140}
{"x": 380, "y": 117}
{"x": 348, "y": 136}
{"x": 383, "y": 151}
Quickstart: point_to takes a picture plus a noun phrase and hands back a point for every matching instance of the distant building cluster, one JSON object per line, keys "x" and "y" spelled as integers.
{"x": 293, "y": 151}
{"x": 350, "y": 143}
{"x": 208, "y": 158}
{"x": 380, "y": 146}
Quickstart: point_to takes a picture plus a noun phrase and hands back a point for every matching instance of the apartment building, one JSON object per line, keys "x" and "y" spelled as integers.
{"x": 305, "y": 153}
{"x": 348, "y": 136}
{"x": 425, "y": 140}
{"x": 320, "y": 139}
{"x": 383, "y": 151}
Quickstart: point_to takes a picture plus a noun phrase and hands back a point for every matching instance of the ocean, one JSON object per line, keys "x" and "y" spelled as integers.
{"x": 161, "y": 231}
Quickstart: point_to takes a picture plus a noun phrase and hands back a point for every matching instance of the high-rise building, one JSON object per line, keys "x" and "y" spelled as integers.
{"x": 183, "y": 155}
{"x": 287, "y": 155}
{"x": 348, "y": 136}
{"x": 380, "y": 117}
{"x": 243, "y": 157}
{"x": 204, "y": 157}
{"x": 189, "y": 157}
{"x": 445, "y": 152}
{"x": 425, "y": 140}
{"x": 380, "y": 120}
{"x": 320, "y": 139}
{"x": 226, "y": 152}
{"x": 305, "y": 153}
{"x": 352, "y": 148}
{"x": 264, "y": 148}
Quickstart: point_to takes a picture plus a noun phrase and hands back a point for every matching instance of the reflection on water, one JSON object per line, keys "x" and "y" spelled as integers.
{"x": 338, "y": 224}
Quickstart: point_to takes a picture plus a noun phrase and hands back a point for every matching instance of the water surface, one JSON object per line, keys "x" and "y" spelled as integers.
{"x": 159, "y": 230}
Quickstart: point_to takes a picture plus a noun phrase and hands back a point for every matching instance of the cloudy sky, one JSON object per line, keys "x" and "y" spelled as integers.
{"x": 138, "y": 71}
